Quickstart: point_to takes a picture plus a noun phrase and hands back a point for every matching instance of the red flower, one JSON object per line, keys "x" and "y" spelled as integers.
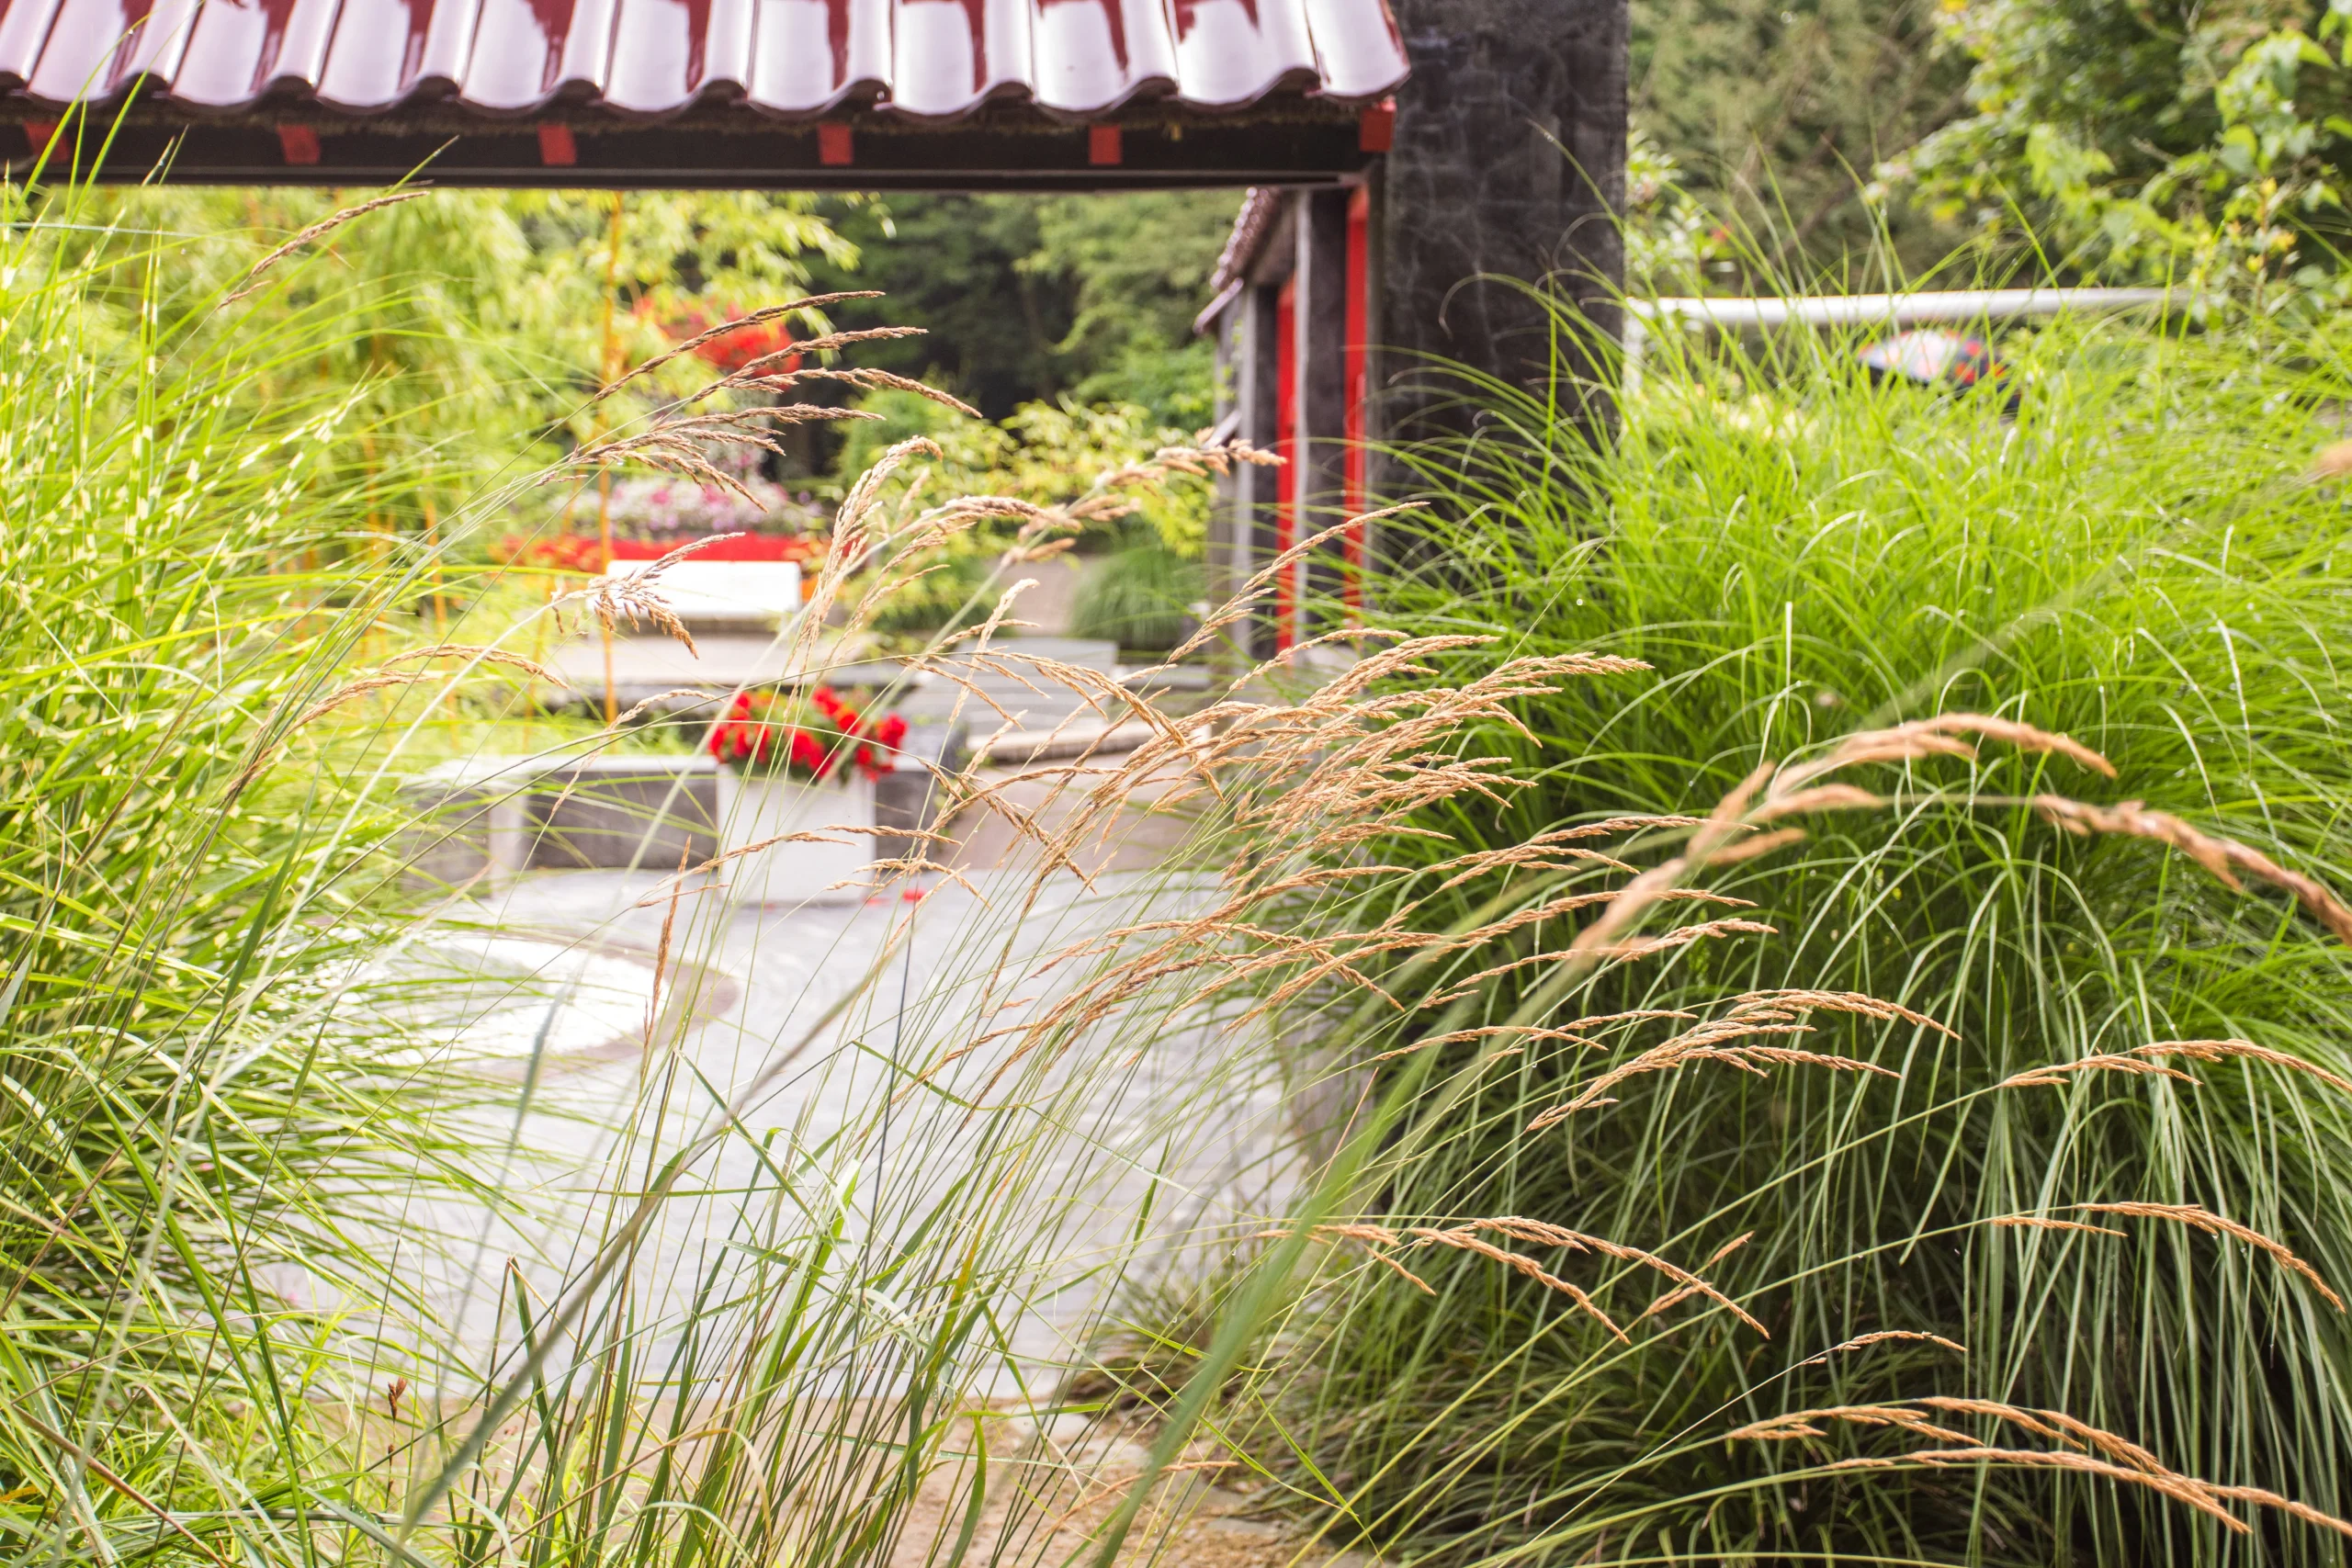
{"x": 564, "y": 552}
{"x": 749, "y": 734}
{"x": 735, "y": 349}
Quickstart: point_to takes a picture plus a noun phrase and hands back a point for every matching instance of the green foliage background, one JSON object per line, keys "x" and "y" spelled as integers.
{"x": 482, "y": 313}
{"x": 1777, "y": 112}
{"x": 2202, "y": 144}
{"x": 1031, "y": 298}
{"x": 1856, "y": 144}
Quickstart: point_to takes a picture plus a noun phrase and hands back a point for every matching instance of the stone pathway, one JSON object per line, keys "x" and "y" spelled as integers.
{"x": 1067, "y": 1482}
{"x": 551, "y": 987}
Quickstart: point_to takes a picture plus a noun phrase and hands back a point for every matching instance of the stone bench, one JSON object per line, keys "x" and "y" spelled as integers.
{"x": 489, "y": 818}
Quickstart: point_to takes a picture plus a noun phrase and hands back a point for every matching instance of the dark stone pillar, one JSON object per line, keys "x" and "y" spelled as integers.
{"x": 1508, "y": 159}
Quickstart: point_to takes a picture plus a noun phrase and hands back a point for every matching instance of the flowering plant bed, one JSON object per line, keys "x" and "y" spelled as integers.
{"x": 813, "y": 739}
{"x": 795, "y": 795}
{"x": 801, "y": 547}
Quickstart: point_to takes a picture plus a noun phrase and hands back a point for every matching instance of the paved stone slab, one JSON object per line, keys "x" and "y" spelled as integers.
{"x": 1190, "y": 1129}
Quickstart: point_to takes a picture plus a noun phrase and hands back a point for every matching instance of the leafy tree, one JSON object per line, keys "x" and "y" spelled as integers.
{"x": 1777, "y": 110}
{"x": 1027, "y": 297}
{"x": 488, "y": 325}
{"x": 951, "y": 266}
{"x": 1137, "y": 269}
{"x": 2193, "y": 141}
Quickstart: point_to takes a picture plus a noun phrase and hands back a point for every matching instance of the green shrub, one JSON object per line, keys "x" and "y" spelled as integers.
{"x": 1042, "y": 453}
{"x": 1140, "y": 597}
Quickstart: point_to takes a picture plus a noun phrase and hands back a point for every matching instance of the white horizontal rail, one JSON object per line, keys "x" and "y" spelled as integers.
{"x": 1870, "y": 309}
{"x": 1852, "y": 310}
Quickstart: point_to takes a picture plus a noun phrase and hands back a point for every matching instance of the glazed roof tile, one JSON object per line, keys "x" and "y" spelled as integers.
{"x": 922, "y": 60}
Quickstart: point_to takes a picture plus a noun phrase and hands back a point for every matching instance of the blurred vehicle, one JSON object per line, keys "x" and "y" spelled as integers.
{"x": 1926, "y": 358}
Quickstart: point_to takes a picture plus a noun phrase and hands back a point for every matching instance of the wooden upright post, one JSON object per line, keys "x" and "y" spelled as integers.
{"x": 1241, "y": 536}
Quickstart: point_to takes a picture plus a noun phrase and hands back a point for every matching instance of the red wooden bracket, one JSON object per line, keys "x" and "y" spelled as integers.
{"x": 299, "y": 143}
{"x": 558, "y": 149}
{"x": 1103, "y": 146}
{"x": 833, "y": 147}
{"x": 1376, "y": 127}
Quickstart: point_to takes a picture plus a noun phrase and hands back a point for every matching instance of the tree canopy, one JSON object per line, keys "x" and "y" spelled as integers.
{"x": 2153, "y": 139}
{"x": 1029, "y": 298}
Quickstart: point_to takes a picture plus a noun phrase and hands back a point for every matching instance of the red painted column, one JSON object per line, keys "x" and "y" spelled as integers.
{"x": 1286, "y": 475}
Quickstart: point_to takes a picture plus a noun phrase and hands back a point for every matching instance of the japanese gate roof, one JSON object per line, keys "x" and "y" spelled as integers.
{"x": 915, "y": 61}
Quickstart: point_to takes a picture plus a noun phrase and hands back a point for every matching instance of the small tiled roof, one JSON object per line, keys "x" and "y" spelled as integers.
{"x": 916, "y": 59}
{"x": 1233, "y": 263}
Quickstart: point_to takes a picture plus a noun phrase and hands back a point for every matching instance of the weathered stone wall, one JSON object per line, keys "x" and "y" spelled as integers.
{"x": 1508, "y": 159}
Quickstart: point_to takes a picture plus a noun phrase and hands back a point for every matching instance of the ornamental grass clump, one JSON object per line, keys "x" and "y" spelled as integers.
{"x": 1597, "y": 1175}
{"x": 190, "y": 562}
{"x": 1929, "y": 934}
